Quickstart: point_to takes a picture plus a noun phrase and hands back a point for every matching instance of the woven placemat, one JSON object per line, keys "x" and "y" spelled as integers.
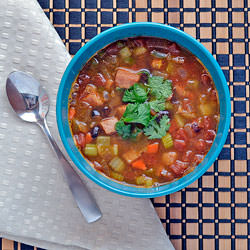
{"x": 213, "y": 212}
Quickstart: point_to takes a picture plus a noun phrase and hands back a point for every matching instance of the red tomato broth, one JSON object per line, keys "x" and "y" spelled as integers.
{"x": 193, "y": 110}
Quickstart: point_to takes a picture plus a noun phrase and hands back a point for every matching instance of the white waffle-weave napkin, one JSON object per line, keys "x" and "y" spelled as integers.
{"x": 36, "y": 206}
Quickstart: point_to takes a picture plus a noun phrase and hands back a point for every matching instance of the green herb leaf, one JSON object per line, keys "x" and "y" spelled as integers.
{"x": 155, "y": 130}
{"x": 125, "y": 131}
{"x": 160, "y": 88}
{"x": 135, "y": 93}
{"x": 137, "y": 113}
{"x": 157, "y": 105}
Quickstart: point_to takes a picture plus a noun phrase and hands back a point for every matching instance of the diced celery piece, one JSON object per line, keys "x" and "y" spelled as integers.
{"x": 169, "y": 105}
{"x": 143, "y": 180}
{"x": 125, "y": 52}
{"x": 167, "y": 141}
{"x": 117, "y": 164}
{"x": 180, "y": 120}
{"x": 140, "y": 180}
{"x": 116, "y": 176}
{"x": 148, "y": 182}
{"x": 149, "y": 172}
{"x": 207, "y": 109}
{"x": 115, "y": 149}
{"x": 103, "y": 140}
{"x": 103, "y": 150}
{"x": 128, "y": 60}
{"x": 170, "y": 68}
{"x": 90, "y": 150}
{"x": 192, "y": 84}
{"x": 188, "y": 115}
{"x": 139, "y": 51}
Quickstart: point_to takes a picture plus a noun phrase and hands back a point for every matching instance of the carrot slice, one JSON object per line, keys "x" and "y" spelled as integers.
{"x": 139, "y": 164}
{"x": 88, "y": 138}
{"x": 72, "y": 113}
{"x": 153, "y": 148}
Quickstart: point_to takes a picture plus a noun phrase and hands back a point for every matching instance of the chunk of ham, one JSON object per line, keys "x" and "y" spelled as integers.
{"x": 108, "y": 125}
{"x": 125, "y": 78}
{"x": 91, "y": 96}
{"x": 120, "y": 110}
{"x": 94, "y": 99}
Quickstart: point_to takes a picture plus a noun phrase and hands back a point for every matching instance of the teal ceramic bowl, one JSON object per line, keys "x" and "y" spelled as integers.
{"x": 133, "y": 30}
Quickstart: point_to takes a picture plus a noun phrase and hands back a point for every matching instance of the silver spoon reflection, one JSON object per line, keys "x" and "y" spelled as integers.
{"x": 31, "y": 103}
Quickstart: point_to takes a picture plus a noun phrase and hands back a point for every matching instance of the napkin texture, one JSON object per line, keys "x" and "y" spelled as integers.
{"x": 36, "y": 206}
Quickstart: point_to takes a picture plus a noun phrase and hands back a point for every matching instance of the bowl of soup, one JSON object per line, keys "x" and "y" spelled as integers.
{"x": 143, "y": 109}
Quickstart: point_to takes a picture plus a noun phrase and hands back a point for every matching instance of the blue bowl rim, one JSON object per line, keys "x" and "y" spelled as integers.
{"x": 170, "y": 187}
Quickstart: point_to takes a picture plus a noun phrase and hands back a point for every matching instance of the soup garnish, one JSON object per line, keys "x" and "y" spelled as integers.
{"x": 144, "y": 111}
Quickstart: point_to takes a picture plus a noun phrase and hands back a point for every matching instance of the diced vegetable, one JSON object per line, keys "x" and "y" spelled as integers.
{"x": 131, "y": 155}
{"x": 139, "y": 51}
{"x": 153, "y": 148}
{"x": 169, "y": 105}
{"x": 82, "y": 127}
{"x": 170, "y": 67}
{"x": 140, "y": 180}
{"x": 88, "y": 137}
{"x": 193, "y": 84}
{"x": 106, "y": 152}
{"x": 116, "y": 176}
{"x": 128, "y": 60}
{"x": 169, "y": 158}
{"x": 103, "y": 140}
{"x": 180, "y": 120}
{"x": 167, "y": 141}
{"x": 90, "y": 150}
{"x": 80, "y": 139}
{"x": 117, "y": 164}
{"x": 115, "y": 149}
{"x": 125, "y": 52}
{"x": 207, "y": 109}
{"x": 108, "y": 125}
{"x": 148, "y": 182}
{"x": 156, "y": 63}
{"x": 72, "y": 112}
{"x": 139, "y": 164}
{"x": 144, "y": 180}
{"x": 158, "y": 54}
{"x": 149, "y": 172}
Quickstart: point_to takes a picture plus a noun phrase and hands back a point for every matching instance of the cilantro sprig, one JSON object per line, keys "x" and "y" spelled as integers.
{"x": 157, "y": 130}
{"x": 141, "y": 100}
{"x": 159, "y": 87}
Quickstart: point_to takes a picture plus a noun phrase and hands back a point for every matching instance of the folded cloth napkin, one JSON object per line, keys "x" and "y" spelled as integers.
{"x": 36, "y": 206}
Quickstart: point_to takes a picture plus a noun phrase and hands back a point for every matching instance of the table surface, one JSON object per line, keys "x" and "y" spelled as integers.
{"x": 213, "y": 212}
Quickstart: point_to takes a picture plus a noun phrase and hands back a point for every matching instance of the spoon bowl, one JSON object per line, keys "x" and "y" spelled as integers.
{"x": 29, "y": 100}
{"x": 31, "y": 103}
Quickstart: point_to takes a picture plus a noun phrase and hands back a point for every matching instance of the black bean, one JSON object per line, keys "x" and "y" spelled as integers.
{"x": 161, "y": 114}
{"x": 195, "y": 127}
{"x": 144, "y": 78}
{"x": 106, "y": 110}
{"x": 95, "y": 113}
{"x": 95, "y": 131}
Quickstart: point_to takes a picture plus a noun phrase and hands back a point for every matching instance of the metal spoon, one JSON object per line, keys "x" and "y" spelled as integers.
{"x": 31, "y": 103}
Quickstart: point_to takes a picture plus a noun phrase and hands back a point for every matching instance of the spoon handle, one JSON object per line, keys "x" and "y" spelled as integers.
{"x": 84, "y": 199}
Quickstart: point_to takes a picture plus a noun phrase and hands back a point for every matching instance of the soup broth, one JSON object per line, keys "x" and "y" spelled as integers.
{"x": 144, "y": 111}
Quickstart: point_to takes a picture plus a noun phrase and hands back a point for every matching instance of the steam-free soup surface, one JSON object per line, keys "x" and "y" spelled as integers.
{"x": 144, "y": 111}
